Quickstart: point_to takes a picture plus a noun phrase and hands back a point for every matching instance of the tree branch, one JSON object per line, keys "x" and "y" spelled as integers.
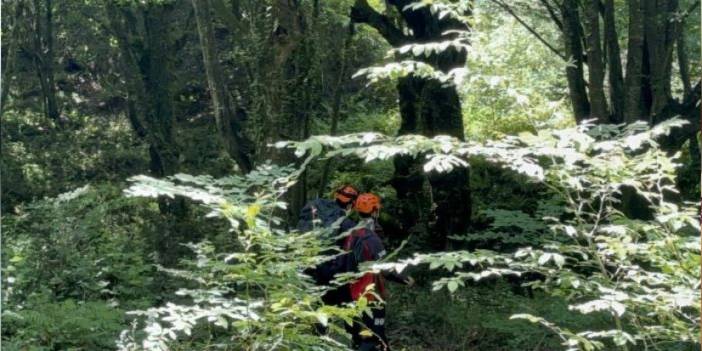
{"x": 530, "y": 29}
{"x": 552, "y": 12}
{"x": 228, "y": 17}
{"x": 362, "y": 12}
{"x": 692, "y": 7}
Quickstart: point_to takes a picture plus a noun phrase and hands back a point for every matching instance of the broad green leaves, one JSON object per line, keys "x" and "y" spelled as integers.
{"x": 396, "y": 70}
{"x": 418, "y": 59}
{"x": 643, "y": 274}
{"x": 257, "y": 296}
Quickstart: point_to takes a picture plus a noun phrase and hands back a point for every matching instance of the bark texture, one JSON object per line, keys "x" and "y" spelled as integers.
{"x": 595, "y": 62}
{"x": 573, "y": 40}
{"x": 429, "y": 108}
{"x": 146, "y": 65}
{"x": 616, "y": 79}
{"x": 42, "y": 53}
{"x": 634, "y": 64}
{"x": 229, "y": 126}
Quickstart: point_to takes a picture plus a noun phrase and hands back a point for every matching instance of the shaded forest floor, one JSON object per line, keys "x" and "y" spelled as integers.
{"x": 476, "y": 318}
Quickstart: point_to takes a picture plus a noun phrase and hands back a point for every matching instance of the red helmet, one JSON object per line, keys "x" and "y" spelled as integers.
{"x": 346, "y": 194}
{"x": 367, "y": 203}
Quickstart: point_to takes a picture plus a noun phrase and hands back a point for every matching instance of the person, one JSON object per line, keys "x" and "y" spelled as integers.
{"x": 327, "y": 213}
{"x": 324, "y": 213}
{"x": 363, "y": 245}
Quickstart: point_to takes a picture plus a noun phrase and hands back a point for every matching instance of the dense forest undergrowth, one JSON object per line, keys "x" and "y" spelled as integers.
{"x": 538, "y": 164}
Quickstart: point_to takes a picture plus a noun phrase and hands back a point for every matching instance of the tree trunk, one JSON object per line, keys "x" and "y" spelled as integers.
{"x": 284, "y": 121}
{"x": 634, "y": 64}
{"x": 8, "y": 60}
{"x": 146, "y": 70}
{"x": 342, "y": 77}
{"x": 572, "y": 37}
{"x": 43, "y": 42}
{"x": 450, "y": 191}
{"x": 684, "y": 65}
{"x": 408, "y": 179}
{"x": 48, "y": 60}
{"x": 440, "y": 114}
{"x": 616, "y": 80}
{"x": 300, "y": 107}
{"x": 133, "y": 118}
{"x": 6, "y": 71}
{"x": 155, "y": 69}
{"x": 656, "y": 31}
{"x": 595, "y": 62}
{"x": 230, "y": 128}
{"x": 284, "y": 38}
{"x": 430, "y": 108}
{"x": 146, "y": 65}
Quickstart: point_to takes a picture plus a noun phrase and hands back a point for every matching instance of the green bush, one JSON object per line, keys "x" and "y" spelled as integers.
{"x": 251, "y": 298}
{"x": 66, "y": 325}
{"x": 70, "y": 264}
{"x": 474, "y": 319}
{"x": 640, "y": 268}
{"x": 40, "y": 161}
{"x": 81, "y": 245}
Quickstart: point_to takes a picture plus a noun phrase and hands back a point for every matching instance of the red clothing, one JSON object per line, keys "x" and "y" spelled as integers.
{"x": 365, "y": 246}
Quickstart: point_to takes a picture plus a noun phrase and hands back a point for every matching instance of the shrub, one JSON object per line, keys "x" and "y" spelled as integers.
{"x": 66, "y": 325}
{"x": 597, "y": 253}
{"x": 253, "y": 298}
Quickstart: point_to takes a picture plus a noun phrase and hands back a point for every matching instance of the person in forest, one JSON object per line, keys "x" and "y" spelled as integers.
{"x": 326, "y": 213}
{"x": 364, "y": 245}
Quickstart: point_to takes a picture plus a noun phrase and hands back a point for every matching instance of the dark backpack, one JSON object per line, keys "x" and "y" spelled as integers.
{"x": 321, "y": 213}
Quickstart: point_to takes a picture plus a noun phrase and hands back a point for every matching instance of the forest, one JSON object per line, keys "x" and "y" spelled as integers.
{"x": 350, "y": 175}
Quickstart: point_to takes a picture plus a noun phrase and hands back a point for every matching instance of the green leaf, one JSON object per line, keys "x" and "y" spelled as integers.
{"x": 452, "y": 286}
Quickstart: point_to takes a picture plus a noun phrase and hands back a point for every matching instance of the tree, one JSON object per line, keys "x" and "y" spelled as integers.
{"x": 142, "y": 35}
{"x": 595, "y": 61}
{"x": 228, "y": 121}
{"x": 428, "y": 107}
{"x": 40, "y": 47}
{"x": 10, "y": 40}
{"x": 643, "y": 91}
{"x": 145, "y": 58}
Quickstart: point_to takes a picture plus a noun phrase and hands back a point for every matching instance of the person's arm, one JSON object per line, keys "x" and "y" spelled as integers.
{"x": 378, "y": 252}
{"x": 398, "y": 278}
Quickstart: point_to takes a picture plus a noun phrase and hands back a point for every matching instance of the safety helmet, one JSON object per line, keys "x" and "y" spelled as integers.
{"x": 346, "y": 194}
{"x": 366, "y": 203}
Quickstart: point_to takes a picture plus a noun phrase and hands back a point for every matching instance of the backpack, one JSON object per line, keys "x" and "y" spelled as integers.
{"x": 349, "y": 262}
{"x": 319, "y": 213}
{"x": 324, "y": 213}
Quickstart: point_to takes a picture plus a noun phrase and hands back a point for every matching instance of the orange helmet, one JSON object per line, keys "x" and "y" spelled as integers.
{"x": 346, "y": 194}
{"x": 367, "y": 203}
